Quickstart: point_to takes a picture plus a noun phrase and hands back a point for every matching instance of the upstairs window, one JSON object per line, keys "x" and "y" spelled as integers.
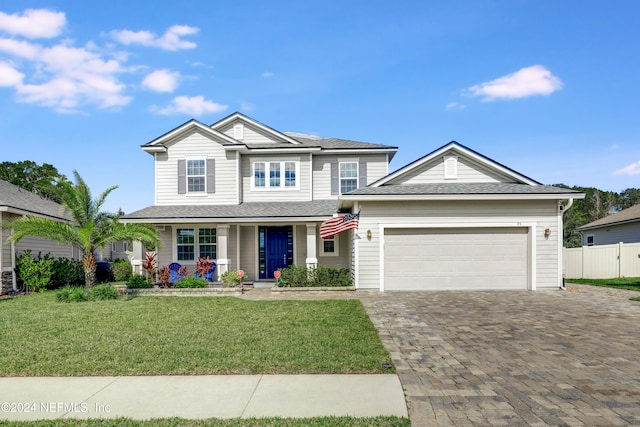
{"x": 196, "y": 176}
{"x": 259, "y": 175}
{"x": 289, "y": 174}
{"x": 276, "y": 175}
{"x": 348, "y": 177}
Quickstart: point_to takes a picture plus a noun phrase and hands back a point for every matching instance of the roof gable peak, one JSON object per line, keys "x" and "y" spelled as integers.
{"x": 248, "y": 120}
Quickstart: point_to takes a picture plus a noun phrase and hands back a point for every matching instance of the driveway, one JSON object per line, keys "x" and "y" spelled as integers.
{"x": 514, "y": 357}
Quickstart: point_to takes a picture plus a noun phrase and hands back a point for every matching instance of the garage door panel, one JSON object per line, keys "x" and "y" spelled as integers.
{"x": 440, "y": 259}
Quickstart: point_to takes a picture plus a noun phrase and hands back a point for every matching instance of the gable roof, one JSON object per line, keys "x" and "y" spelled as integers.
{"x": 14, "y": 199}
{"x": 291, "y": 140}
{"x": 239, "y": 116}
{"x": 455, "y": 146}
{"x": 158, "y": 144}
{"x": 625, "y": 216}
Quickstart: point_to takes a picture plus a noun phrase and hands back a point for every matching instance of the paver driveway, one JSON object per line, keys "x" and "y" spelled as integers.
{"x": 514, "y": 358}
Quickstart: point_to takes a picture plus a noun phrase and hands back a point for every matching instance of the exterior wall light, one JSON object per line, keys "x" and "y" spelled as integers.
{"x": 369, "y": 234}
{"x": 547, "y": 232}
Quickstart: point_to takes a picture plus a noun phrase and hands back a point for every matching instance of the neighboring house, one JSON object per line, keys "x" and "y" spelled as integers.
{"x": 621, "y": 227}
{"x": 253, "y": 198}
{"x": 17, "y": 202}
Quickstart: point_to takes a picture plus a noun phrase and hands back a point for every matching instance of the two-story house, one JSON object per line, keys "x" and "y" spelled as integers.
{"x": 253, "y": 198}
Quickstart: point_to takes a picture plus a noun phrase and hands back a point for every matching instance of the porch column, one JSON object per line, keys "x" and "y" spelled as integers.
{"x": 222, "y": 248}
{"x": 135, "y": 257}
{"x": 312, "y": 257}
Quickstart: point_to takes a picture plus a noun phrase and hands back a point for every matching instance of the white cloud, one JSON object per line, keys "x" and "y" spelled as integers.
{"x": 170, "y": 40}
{"x": 632, "y": 169}
{"x": 9, "y": 76}
{"x": 161, "y": 80}
{"x": 33, "y": 23}
{"x": 529, "y": 81}
{"x": 66, "y": 77}
{"x": 267, "y": 74}
{"x": 454, "y": 106}
{"x": 195, "y": 106}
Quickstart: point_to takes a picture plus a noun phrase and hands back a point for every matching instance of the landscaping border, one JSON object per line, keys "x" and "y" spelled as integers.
{"x": 313, "y": 289}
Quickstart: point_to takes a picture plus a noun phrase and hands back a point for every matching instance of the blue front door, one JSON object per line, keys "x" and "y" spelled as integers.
{"x": 276, "y": 249}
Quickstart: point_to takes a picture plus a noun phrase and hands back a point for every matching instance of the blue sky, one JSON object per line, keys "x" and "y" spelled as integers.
{"x": 550, "y": 89}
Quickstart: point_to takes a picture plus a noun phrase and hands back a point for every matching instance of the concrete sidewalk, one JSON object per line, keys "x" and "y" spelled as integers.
{"x": 196, "y": 397}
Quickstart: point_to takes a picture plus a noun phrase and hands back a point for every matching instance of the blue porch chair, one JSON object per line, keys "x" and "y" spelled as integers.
{"x": 209, "y": 275}
{"x": 174, "y": 268}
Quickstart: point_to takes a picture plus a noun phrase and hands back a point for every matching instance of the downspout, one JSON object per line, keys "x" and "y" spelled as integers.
{"x": 561, "y": 242}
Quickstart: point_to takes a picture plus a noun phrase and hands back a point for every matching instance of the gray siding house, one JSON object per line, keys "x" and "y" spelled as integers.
{"x": 253, "y": 198}
{"x": 621, "y": 227}
{"x": 16, "y": 202}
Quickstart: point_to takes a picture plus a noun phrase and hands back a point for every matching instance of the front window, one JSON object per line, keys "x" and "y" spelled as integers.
{"x": 275, "y": 175}
{"x": 348, "y": 177}
{"x": 185, "y": 238}
{"x": 329, "y": 247}
{"x": 207, "y": 242}
{"x": 195, "y": 176}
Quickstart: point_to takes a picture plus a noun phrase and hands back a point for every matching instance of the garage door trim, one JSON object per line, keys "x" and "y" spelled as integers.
{"x": 530, "y": 226}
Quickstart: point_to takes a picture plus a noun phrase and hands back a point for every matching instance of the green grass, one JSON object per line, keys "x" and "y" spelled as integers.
{"x": 630, "y": 283}
{"x": 186, "y": 336}
{"x": 267, "y": 422}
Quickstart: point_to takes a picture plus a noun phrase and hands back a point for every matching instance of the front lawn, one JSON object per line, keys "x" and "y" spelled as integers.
{"x": 186, "y": 336}
{"x": 630, "y": 283}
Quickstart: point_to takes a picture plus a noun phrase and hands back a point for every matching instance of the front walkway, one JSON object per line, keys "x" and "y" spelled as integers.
{"x": 514, "y": 357}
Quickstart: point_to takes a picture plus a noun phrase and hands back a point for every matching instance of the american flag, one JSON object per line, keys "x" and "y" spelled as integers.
{"x": 339, "y": 224}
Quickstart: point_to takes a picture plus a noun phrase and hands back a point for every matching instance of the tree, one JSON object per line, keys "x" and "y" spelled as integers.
{"x": 629, "y": 197}
{"x": 43, "y": 180}
{"x": 89, "y": 228}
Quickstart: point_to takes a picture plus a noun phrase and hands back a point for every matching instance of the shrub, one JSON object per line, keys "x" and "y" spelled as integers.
{"x": 121, "y": 270}
{"x": 300, "y": 276}
{"x": 102, "y": 292}
{"x": 191, "y": 282}
{"x": 66, "y": 272}
{"x": 36, "y": 274}
{"x": 137, "y": 282}
{"x": 293, "y": 276}
{"x": 72, "y": 294}
{"x": 203, "y": 266}
{"x": 328, "y": 276}
{"x": 231, "y": 279}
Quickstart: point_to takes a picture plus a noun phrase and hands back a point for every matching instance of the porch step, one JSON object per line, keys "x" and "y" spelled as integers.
{"x": 263, "y": 284}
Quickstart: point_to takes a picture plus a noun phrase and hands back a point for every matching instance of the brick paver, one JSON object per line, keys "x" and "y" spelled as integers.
{"x": 514, "y": 358}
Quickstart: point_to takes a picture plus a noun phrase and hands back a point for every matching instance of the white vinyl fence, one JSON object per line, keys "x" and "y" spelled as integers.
{"x": 602, "y": 262}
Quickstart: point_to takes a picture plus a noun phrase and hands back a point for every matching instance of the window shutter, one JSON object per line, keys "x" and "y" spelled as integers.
{"x": 362, "y": 175}
{"x": 335, "y": 179}
{"x": 182, "y": 176}
{"x": 211, "y": 175}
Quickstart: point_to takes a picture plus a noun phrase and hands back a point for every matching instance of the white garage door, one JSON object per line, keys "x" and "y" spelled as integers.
{"x": 444, "y": 259}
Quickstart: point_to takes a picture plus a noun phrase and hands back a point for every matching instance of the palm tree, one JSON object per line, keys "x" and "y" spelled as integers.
{"x": 89, "y": 228}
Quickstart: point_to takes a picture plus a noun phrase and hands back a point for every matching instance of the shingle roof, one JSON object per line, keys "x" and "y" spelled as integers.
{"x": 12, "y": 196}
{"x": 257, "y": 210}
{"x": 627, "y": 215}
{"x": 336, "y": 143}
{"x": 461, "y": 189}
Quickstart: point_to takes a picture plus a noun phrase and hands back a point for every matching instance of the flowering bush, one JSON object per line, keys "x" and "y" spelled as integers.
{"x": 232, "y": 279}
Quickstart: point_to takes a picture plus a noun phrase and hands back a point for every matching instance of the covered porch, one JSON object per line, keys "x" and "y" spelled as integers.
{"x": 260, "y": 239}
